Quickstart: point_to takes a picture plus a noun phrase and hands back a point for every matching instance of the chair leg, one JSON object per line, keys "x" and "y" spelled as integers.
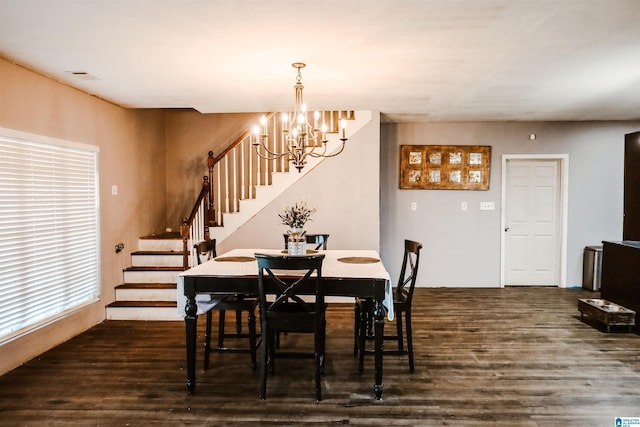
{"x": 409, "y": 340}
{"x": 238, "y": 321}
{"x": 319, "y": 361}
{"x": 356, "y": 328}
{"x": 263, "y": 364}
{"x": 399, "y": 331}
{"x": 252, "y": 338}
{"x": 362, "y": 339}
{"x": 318, "y": 382}
{"x": 323, "y": 338}
{"x": 221, "y": 329}
{"x": 207, "y": 340}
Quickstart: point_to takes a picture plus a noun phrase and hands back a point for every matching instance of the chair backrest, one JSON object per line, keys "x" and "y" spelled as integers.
{"x": 318, "y": 240}
{"x": 288, "y": 277}
{"x": 205, "y": 250}
{"x": 409, "y": 271}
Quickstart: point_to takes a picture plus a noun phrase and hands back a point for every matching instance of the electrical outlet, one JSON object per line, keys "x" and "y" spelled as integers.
{"x": 114, "y": 190}
{"x": 414, "y": 206}
{"x": 463, "y": 206}
{"x": 487, "y": 206}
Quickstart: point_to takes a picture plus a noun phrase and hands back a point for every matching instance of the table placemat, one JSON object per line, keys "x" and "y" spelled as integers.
{"x": 359, "y": 260}
{"x": 309, "y": 252}
{"x": 236, "y": 259}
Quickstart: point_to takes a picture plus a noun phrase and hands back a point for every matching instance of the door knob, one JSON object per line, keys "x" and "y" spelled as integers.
{"x": 506, "y": 229}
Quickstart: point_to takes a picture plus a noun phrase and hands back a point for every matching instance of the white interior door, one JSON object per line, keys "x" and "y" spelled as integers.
{"x": 532, "y": 223}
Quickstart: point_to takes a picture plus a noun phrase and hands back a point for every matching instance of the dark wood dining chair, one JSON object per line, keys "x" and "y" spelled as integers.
{"x": 402, "y": 297}
{"x": 318, "y": 241}
{"x": 288, "y": 278}
{"x": 206, "y": 250}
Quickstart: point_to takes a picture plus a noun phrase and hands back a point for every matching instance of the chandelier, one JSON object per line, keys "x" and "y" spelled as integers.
{"x": 297, "y": 136}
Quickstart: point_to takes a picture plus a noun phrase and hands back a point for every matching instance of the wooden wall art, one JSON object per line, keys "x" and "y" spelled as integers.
{"x": 445, "y": 167}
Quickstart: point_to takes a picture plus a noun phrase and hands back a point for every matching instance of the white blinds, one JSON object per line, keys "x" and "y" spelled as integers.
{"x": 49, "y": 232}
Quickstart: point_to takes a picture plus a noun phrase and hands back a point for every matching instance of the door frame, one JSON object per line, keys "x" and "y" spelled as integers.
{"x": 563, "y": 163}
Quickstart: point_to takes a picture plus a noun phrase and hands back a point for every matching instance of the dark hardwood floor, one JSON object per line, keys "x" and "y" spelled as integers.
{"x": 484, "y": 357}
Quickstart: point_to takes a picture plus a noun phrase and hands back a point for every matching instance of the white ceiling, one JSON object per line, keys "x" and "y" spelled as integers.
{"x": 449, "y": 60}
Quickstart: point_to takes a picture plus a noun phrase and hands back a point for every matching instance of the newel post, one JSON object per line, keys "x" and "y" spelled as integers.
{"x": 184, "y": 232}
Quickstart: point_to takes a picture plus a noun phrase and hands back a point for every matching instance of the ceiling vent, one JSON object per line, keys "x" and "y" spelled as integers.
{"x": 83, "y": 75}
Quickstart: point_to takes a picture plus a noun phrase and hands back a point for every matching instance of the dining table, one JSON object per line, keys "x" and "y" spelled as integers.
{"x": 345, "y": 273}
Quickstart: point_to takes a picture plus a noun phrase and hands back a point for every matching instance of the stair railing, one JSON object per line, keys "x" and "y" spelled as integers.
{"x": 195, "y": 227}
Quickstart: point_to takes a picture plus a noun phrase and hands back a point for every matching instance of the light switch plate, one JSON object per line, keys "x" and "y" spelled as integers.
{"x": 487, "y": 206}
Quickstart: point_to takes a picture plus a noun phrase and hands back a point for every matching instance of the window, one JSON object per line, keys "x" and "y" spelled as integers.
{"x": 49, "y": 230}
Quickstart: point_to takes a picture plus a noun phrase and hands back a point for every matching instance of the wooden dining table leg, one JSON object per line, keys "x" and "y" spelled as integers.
{"x": 379, "y": 313}
{"x": 191, "y": 321}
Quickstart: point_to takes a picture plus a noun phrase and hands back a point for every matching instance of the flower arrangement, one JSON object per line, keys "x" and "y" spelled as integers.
{"x": 297, "y": 215}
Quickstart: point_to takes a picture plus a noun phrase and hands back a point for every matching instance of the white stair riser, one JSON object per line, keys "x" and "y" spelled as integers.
{"x": 160, "y": 245}
{"x": 143, "y": 313}
{"x": 151, "y": 276}
{"x": 142, "y": 294}
{"x": 174, "y": 260}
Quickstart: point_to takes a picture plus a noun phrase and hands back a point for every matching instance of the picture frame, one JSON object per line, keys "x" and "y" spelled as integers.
{"x": 445, "y": 167}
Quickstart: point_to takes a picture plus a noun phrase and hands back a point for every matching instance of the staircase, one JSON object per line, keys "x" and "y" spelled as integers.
{"x": 238, "y": 186}
{"x": 149, "y": 288}
{"x": 239, "y": 194}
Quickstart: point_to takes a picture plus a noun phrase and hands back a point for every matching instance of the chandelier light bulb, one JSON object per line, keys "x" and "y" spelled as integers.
{"x": 263, "y": 121}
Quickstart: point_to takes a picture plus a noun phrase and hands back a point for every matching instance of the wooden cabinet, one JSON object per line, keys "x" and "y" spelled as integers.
{"x": 621, "y": 275}
{"x": 631, "y": 227}
{"x": 620, "y": 282}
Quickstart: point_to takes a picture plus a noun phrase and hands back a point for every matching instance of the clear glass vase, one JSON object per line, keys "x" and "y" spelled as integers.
{"x": 297, "y": 243}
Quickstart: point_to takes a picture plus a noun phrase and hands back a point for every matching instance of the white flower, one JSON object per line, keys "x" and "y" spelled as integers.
{"x": 297, "y": 215}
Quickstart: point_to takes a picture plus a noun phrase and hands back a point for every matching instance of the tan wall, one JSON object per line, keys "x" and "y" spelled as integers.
{"x": 190, "y": 136}
{"x": 132, "y": 156}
